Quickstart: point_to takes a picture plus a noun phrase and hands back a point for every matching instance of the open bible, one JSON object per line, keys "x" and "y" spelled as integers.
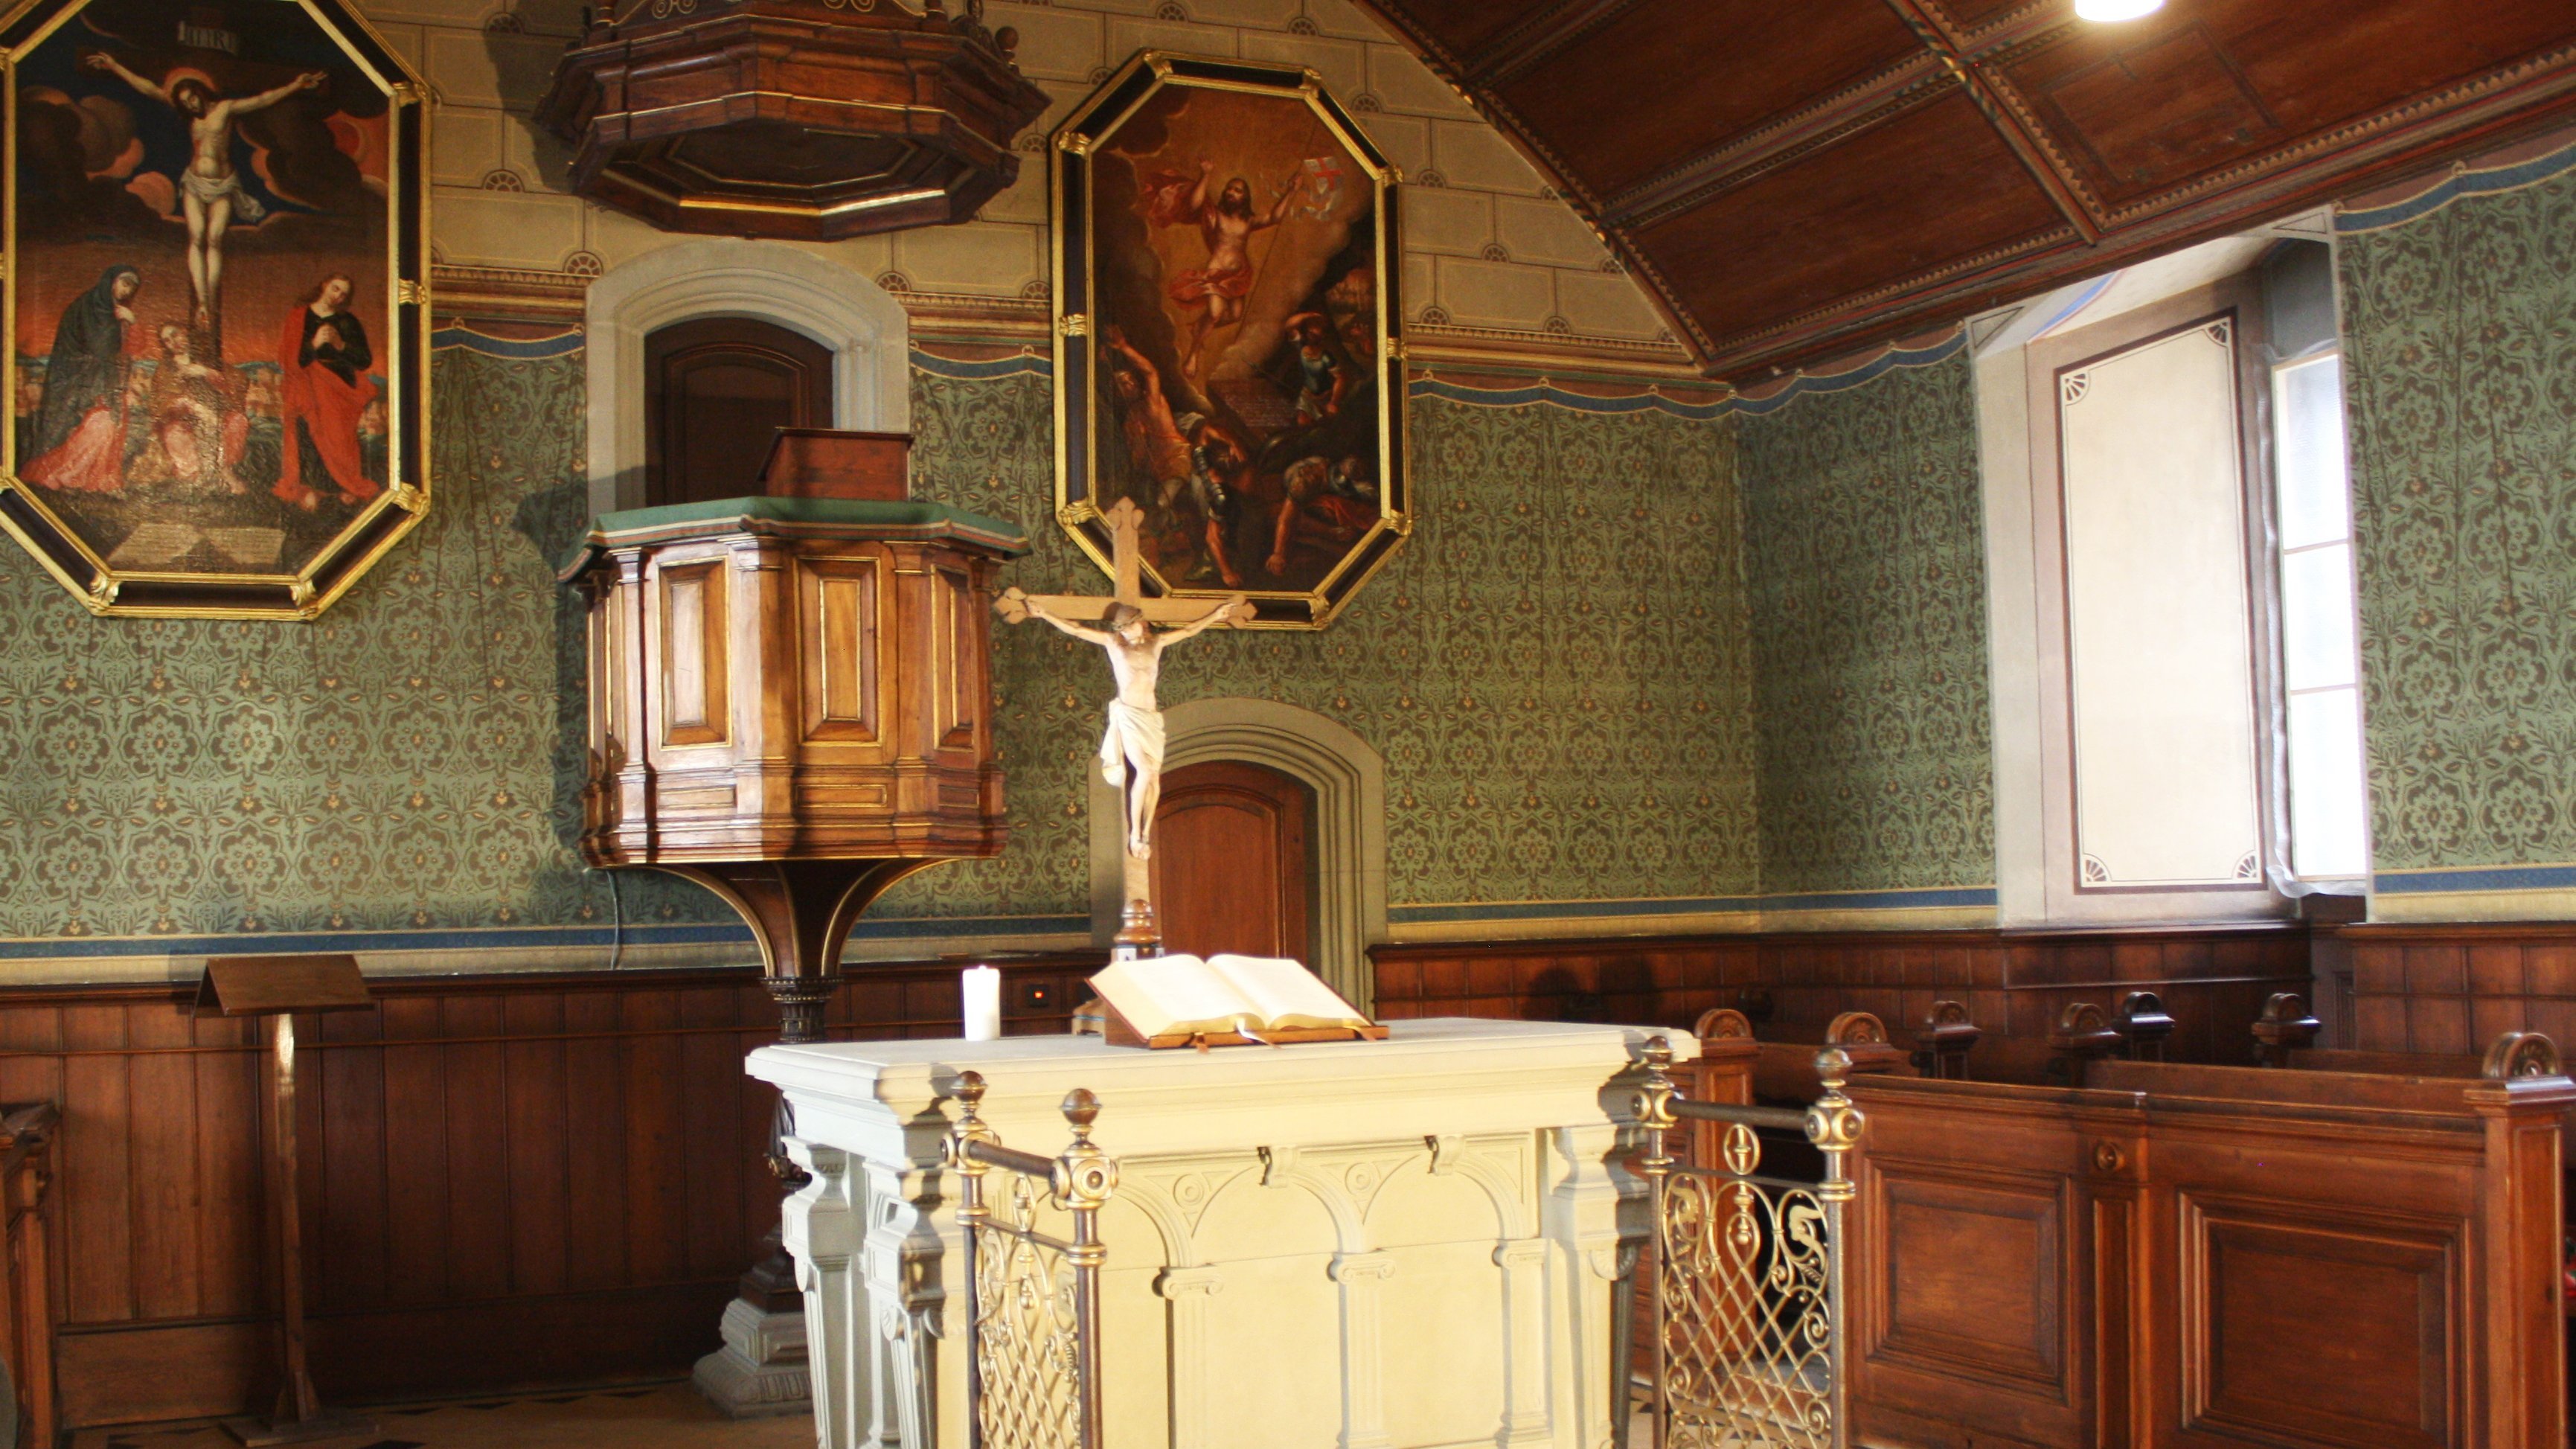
{"x": 1169, "y": 1001}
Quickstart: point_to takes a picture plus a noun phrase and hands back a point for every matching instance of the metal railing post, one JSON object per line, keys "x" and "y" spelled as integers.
{"x": 1084, "y": 1178}
{"x": 1654, "y": 1114}
{"x": 1834, "y": 1126}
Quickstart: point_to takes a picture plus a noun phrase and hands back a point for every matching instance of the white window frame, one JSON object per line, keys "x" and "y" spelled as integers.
{"x": 2038, "y": 871}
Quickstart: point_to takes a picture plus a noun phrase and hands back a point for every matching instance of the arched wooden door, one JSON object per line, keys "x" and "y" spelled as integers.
{"x": 1233, "y": 869}
{"x": 716, "y": 391}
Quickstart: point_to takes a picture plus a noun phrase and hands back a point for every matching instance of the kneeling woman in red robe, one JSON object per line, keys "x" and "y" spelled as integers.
{"x": 324, "y": 357}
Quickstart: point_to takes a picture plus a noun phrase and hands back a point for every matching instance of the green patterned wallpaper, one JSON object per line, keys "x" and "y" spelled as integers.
{"x": 1555, "y": 666}
{"x": 1864, "y": 545}
{"x": 397, "y": 765}
{"x": 2461, "y": 386}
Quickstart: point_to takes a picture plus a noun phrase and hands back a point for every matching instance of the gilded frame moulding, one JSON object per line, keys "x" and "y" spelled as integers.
{"x": 1227, "y": 335}
{"x": 175, "y": 451}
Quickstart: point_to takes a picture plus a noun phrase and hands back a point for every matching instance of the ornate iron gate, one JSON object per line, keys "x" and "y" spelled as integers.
{"x": 1033, "y": 1337}
{"x": 1747, "y": 1272}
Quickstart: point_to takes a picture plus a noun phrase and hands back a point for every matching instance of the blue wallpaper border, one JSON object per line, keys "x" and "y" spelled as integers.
{"x": 2461, "y": 184}
{"x": 519, "y": 349}
{"x": 1813, "y": 384}
{"x": 2474, "y": 878}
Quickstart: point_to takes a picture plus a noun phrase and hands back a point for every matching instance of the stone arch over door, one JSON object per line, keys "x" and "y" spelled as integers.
{"x": 1349, "y": 781}
{"x": 866, "y": 329}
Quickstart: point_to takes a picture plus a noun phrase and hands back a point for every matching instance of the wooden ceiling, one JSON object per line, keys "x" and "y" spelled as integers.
{"x": 1795, "y": 178}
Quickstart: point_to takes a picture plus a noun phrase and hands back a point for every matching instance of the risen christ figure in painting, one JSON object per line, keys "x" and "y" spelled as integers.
{"x": 1131, "y": 752}
{"x": 210, "y": 191}
{"x": 1216, "y": 291}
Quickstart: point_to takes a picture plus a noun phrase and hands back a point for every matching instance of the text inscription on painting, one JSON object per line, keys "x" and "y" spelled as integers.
{"x": 217, "y": 381}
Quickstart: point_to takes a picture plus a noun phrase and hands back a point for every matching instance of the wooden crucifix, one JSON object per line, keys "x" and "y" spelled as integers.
{"x": 1131, "y": 751}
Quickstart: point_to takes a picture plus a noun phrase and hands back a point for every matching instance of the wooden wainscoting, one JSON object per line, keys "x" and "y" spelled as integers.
{"x": 2449, "y": 989}
{"x": 507, "y": 1179}
{"x": 2213, "y": 980}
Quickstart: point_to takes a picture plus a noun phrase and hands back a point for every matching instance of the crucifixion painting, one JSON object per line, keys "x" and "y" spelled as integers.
{"x": 1131, "y": 749}
{"x": 219, "y": 230}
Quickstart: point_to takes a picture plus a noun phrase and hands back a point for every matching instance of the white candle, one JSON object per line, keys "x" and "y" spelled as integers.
{"x": 982, "y": 986}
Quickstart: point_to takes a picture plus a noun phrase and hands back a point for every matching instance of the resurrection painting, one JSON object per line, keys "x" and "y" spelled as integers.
{"x": 214, "y": 301}
{"x": 1223, "y": 288}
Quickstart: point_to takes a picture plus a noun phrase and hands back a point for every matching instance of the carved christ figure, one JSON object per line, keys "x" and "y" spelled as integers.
{"x": 1131, "y": 751}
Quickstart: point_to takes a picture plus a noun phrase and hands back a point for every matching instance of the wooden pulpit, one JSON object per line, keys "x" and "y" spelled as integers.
{"x": 277, "y": 987}
{"x": 791, "y": 704}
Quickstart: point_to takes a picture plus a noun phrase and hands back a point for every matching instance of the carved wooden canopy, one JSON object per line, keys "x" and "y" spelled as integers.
{"x": 798, "y": 119}
{"x": 1791, "y": 180}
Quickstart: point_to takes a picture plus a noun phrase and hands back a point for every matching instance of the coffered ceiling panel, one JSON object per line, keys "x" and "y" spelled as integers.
{"x": 1893, "y": 201}
{"x": 1792, "y": 180}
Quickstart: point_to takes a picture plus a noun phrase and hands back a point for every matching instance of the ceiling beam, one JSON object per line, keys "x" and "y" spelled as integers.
{"x": 2020, "y": 134}
{"x": 1534, "y": 40}
{"x": 1694, "y": 179}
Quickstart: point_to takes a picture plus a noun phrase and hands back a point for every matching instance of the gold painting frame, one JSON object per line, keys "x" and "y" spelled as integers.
{"x": 369, "y": 232}
{"x": 1295, "y": 489}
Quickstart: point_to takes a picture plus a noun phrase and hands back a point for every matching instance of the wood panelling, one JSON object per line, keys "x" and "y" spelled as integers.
{"x": 2449, "y": 989}
{"x": 2213, "y": 981}
{"x": 1792, "y": 181}
{"x": 506, "y": 1179}
{"x": 2312, "y": 1260}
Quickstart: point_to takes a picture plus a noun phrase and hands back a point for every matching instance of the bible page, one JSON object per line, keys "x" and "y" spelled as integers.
{"x": 1164, "y": 994}
{"x": 1285, "y": 993}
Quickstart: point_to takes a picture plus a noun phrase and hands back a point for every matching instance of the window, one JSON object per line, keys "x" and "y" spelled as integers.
{"x": 2320, "y": 654}
{"x": 2159, "y": 636}
{"x": 2178, "y": 730}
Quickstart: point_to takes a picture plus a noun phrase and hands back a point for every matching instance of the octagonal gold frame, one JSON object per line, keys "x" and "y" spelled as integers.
{"x": 1092, "y": 125}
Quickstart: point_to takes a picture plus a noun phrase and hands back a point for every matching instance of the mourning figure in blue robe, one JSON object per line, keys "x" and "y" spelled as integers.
{"x": 87, "y": 365}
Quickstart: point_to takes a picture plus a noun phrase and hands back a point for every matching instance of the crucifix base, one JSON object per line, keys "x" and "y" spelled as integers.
{"x": 1139, "y": 936}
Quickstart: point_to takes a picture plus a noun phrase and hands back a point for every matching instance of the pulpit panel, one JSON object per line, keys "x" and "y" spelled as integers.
{"x": 790, "y": 679}
{"x": 953, "y": 711}
{"x": 838, "y": 608}
{"x": 694, "y": 658}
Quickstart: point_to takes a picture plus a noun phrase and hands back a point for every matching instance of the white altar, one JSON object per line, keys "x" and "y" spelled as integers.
{"x": 1376, "y": 1245}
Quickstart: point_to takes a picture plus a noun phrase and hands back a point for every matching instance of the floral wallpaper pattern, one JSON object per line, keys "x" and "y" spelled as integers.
{"x": 396, "y": 764}
{"x": 2461, "y": 389}
{"x": 1864, "y": 543}
{"x": 1555, "y": 667}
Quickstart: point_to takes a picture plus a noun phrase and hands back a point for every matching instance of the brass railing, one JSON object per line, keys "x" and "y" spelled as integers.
{"x": 1746, "y": 1272}
{"x": 1033, "y": 1332}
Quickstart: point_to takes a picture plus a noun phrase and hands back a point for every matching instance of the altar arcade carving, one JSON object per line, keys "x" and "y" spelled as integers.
{"x": 1226, "y": 350}
{"x": 215, "y": 297}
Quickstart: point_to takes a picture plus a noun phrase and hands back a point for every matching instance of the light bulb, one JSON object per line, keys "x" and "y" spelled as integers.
{"x": 2110, "y": 10}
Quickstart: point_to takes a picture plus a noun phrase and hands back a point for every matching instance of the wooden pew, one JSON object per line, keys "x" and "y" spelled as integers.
{"x": 2187, "y": 1255}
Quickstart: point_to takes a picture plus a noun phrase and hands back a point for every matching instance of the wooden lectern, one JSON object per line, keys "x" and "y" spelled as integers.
{"x": 277, "y": 987}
